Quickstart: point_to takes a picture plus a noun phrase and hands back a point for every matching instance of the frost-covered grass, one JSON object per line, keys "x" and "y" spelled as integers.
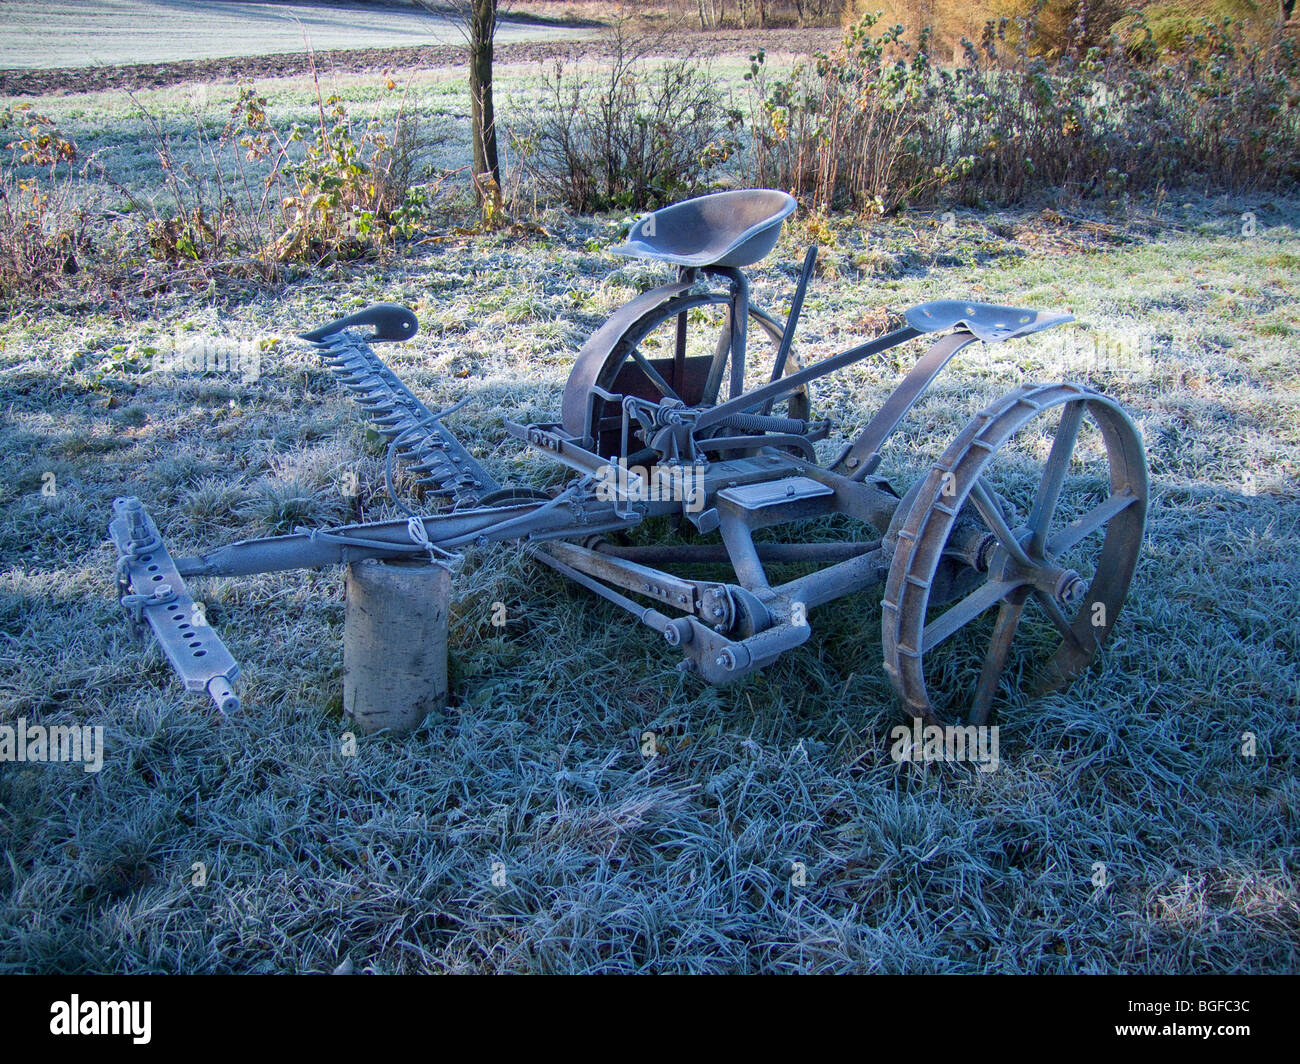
{"x": 395, "y": 858}
{"x": 142, "y": 31}
{"x": 119, "y": 131}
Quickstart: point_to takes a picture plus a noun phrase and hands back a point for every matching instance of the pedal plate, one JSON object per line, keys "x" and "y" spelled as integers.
{"x": 767, "y": 493}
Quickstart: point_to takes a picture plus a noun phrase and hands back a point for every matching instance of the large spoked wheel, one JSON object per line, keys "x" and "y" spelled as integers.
{"x": 1050, "y": 523}
{"x": 679, "y": 351}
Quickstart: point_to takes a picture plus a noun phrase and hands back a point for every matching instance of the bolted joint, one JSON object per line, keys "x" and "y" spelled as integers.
{"x": 678, "y": 632}
{"x": 1070, "y": 587}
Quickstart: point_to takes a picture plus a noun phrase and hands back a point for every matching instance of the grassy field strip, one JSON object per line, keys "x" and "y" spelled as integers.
{"x": 683, "y": 865}
{"x": 114, "y": 32}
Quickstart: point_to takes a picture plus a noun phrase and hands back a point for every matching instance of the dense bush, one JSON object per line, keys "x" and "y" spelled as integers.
{"x": 1061, "y": 25}
{"x": 878, "y": 124}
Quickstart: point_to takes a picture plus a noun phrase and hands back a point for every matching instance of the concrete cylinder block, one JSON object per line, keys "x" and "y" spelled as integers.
{"x": 395, "y": 643}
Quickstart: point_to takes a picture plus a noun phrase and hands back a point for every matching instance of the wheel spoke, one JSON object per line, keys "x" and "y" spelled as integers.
{"x": 713, "y": 382}
{"x": 653, "y": 374}
{"x": 679, "y": 353}
{"x": 1028, "y": 544}
{"x": 1081, "y": 528}
{"x": 996, "y": 659}
{"x": 1058, "y": 464}
{"x": 1057, "y": 617}
{"x": 992, "y": 514}
{"x": 988, "y": 593}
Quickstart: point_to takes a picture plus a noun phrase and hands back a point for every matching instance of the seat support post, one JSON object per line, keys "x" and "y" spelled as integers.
{"x": 739, "y": 330}
{"x": 686, "y": 274}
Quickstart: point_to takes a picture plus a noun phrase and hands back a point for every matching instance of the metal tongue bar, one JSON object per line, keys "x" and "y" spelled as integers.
{"x": 151, "y": 590}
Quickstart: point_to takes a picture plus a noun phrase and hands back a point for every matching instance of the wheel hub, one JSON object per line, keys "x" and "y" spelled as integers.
{"x": 1063, "y": 584}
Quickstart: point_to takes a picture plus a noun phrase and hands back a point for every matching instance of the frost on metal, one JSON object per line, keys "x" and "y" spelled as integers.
{"x": 690, "y": 404}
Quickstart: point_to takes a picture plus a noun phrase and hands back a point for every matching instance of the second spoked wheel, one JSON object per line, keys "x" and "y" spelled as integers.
{"x": 1059, "y": 528}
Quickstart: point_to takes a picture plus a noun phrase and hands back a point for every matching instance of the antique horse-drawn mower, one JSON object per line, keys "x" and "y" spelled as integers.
{"x": 689, "y": 403}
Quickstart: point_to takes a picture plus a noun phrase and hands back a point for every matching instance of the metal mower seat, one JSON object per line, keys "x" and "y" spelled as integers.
{"x": 723, "y": 229}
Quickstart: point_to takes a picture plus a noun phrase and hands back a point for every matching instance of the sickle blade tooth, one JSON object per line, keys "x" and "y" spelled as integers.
{"x": 438, "y": 463}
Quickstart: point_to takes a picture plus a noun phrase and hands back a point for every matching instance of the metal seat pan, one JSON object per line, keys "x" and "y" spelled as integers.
{"x": 723, "y": 229}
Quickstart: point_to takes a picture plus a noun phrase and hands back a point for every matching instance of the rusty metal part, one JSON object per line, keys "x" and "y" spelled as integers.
{"x": 1027, "y": 561}
{"x": 575, "y": 405}
{"x": 613, "y": 365}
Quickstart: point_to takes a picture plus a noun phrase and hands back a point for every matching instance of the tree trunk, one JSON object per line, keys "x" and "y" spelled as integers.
{"x": 483, "y": 19}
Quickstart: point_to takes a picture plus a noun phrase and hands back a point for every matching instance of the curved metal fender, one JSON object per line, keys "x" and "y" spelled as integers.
{"x": 594, "y": 353}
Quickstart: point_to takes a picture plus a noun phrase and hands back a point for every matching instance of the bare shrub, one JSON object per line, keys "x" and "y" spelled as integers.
{"x": 714, "y": 14}
{"x": 44, "y": 225}
{"x": 241, "y": 203}
{"x": 638, "y": 135}
{"x": 334, "y": 189}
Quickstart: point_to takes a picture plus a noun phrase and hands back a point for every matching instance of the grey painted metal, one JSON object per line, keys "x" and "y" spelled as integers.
{"x": 151, "y": 589}
{"x": 722, "y": 229}
{"x": 792, "y": 319}
{"x": 551, "y": 439}
{"x": 437, "y": 459}
{"x": 721, "y": 660}
{"x": 645, "y": 614}
{"x": 843, "y": 578}
{"x": 991, "y": 322}
{"x": 776, "y": 553}
{"x": 1025, "y": 562}
{"x": 748, "y": 470}
{"x": 739, "y": 332}
{"x": 664, "y": 588}
{"x": 862, "y": 456}
{"x": 774, "y": 492}
{"x": 773, "y": 390}
{"x": 391, "y": 322}
{"x": 345, "y": 544}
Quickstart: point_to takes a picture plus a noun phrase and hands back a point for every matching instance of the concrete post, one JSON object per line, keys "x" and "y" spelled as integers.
{"x": 395, "y": 643}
